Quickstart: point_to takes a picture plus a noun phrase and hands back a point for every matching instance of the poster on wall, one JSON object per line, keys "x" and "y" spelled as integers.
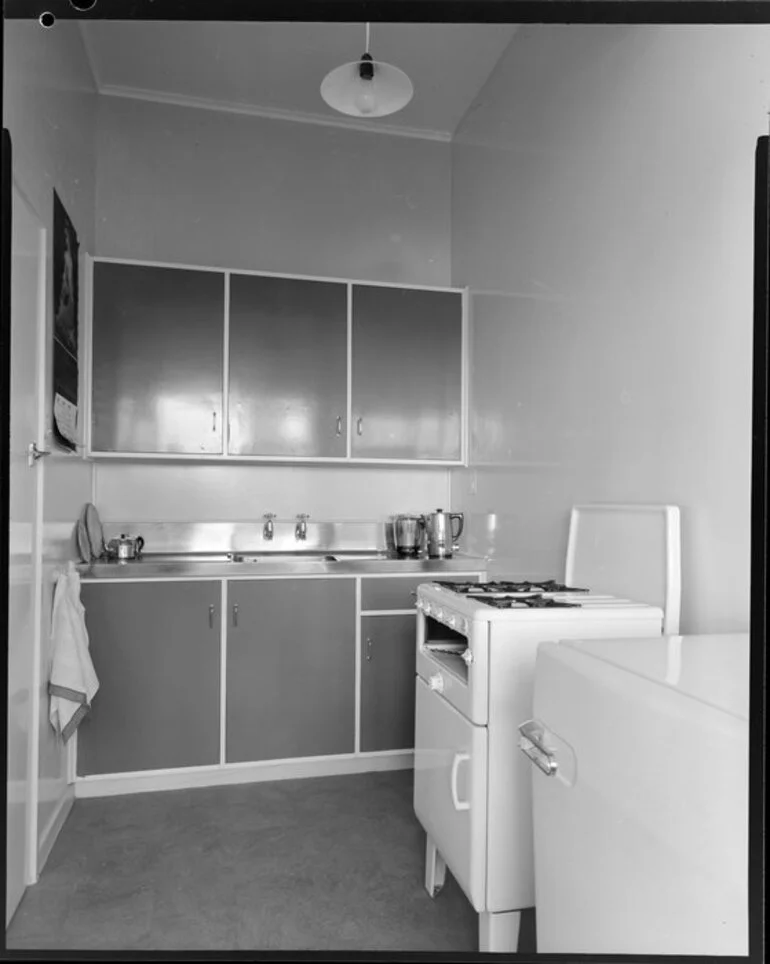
{"x": 65, "y": 327}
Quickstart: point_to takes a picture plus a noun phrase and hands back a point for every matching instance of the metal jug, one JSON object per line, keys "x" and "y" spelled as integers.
{"x": 126, "y": 547}
{"x": 442, "y": 537}
{"x": 408, "y": 534}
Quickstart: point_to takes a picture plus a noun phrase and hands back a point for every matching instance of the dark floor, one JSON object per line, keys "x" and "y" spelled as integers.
{"x": 331, "y": 863}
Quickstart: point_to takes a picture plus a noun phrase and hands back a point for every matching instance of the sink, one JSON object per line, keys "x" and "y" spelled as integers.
{"x": 299, "y": 556}
{"x": 351, "y": 555}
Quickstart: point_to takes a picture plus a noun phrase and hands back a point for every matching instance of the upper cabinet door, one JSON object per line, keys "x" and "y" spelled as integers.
{"x": 158, "y": 342}
{"x": 288, "y": 367}
{"x": 407, "y": 373}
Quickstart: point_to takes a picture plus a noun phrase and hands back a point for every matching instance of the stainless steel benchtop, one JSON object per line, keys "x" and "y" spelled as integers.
{"x": 218, "y": 565}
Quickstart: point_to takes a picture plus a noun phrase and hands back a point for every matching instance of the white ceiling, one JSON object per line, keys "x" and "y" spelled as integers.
{"x": 276, "y": 69}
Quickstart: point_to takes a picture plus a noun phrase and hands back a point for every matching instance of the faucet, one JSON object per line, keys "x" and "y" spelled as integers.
{"x": 300, "y": 530}
{"x": 267, "y": 528}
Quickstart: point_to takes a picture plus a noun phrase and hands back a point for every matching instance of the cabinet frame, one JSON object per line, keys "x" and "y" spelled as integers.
{"x": 348, "y": 458}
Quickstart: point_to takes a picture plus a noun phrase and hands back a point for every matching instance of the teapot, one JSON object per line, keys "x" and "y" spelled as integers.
{"x": 126, "y": 547}
{"x": 442, "y": 537}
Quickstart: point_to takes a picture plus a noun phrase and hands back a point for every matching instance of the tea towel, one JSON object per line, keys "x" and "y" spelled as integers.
{"x": 73, "y": 681}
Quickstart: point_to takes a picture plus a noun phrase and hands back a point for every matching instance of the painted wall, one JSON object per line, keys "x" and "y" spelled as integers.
{"x": 189, "y": 185}
{"x": 50, "y": 110}
{"x": 233, "y": 493}
{"x": 602, "y": 212}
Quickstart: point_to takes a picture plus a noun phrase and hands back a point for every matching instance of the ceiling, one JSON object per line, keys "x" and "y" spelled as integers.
{"x": 276, "y": 69}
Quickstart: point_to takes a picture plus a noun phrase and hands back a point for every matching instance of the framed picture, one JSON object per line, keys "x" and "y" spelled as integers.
{"x": 65, "y": 327}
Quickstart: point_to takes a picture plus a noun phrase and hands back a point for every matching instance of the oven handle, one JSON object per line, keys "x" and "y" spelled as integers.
{"x": 456, "y": 801}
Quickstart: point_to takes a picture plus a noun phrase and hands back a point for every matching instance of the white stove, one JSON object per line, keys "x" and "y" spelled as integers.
{"x": 476, "y": 648}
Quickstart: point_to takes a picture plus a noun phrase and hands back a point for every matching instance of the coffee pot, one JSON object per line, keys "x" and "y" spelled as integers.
{"x": 408, "y": 534}
{"x": 442, "y": 537}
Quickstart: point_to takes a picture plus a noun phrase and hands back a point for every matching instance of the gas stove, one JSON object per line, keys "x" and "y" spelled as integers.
{"x": 515, "y": 595}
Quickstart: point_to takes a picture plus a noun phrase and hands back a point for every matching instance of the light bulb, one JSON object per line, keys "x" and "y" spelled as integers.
{"x": 365, "y": 100}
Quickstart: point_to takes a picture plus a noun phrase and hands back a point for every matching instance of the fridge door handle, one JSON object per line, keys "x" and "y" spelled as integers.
{"x": 456, "y": 801}
{"x": 532, "y": 744}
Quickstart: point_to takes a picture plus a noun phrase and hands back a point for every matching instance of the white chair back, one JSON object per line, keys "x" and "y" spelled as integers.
{"x": 631, "y": 551}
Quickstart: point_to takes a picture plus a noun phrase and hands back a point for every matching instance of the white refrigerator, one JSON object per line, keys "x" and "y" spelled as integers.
{"x": 640, "y": 795}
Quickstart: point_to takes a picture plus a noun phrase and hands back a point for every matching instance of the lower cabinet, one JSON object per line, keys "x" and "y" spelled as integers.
{"x": 387, "y": 681}
{"x": 290, "y": 668}
{"x": 155, "y": 647}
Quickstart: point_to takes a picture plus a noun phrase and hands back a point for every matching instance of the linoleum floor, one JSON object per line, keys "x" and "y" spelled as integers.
{"x": 329, "y": 863}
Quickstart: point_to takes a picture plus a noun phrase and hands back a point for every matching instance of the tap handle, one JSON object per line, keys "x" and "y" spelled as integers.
{"x": 269, "y": 516}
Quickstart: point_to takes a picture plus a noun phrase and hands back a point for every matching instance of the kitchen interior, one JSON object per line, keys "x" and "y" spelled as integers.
{"x": 398, "y": 437}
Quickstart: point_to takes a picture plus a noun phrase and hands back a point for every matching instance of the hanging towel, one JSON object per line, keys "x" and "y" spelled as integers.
{"x": 73, "y": 681}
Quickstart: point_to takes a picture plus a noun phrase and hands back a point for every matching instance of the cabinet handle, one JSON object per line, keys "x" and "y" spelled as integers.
{"x": 368, "y": 648}
{"x": 211, "y": 616}
{"x": 235, "y": 614}
{"x": 213, "y": 421}
{"x": 339, "y": 425}
{"x": 360, "y": 426}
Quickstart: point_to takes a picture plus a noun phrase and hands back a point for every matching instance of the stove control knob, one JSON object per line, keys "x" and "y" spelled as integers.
{"x": 467, "y": 657}
{"x": 427, "y": 609}
{"x": 439, "y": 614}
{"x": 419, "y": 605}
{"x": 452, "y": 622}
{"x": 462, "y": 625}
{"x": 436, "y": 683}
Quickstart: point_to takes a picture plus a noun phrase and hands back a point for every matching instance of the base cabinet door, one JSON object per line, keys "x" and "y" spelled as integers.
{"x": 387, "y": 682}
{"x": 156, "y": 651}
{"x": 290, "y": 668}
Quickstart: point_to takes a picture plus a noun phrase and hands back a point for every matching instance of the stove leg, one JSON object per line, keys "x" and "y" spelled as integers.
{"x": 435, "y": 868}
{"x": 499, "y": 933}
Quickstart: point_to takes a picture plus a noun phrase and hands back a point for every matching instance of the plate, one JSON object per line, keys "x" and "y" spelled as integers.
{"x": 95, "y": 531}
{"x": 84, "y": 544}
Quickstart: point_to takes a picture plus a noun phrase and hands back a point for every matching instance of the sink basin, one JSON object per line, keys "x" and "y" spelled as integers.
{"x": 352, "y": 555}
{"x": 300, "y": 556}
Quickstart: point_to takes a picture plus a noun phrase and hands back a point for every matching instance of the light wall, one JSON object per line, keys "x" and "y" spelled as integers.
{"x": 233, "y": 493}
{"x": 602, "y": 213}
{"x": 194, "y": 186}
{"x": 49, "y": 109}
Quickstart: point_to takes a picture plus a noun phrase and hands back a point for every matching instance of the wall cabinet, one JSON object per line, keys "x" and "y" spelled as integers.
{"x": 157, "y": 360}
{"x": 407, "y": 373}
{"x": 288, "y": 367}
{"x": 156, "y": 650}
{"x": 197, "y": 363}
{"x": 290, "y": 668}
{"x": 387, "y": 682}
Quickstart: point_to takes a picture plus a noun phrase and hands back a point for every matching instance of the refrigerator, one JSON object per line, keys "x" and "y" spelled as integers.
{"x": 639, "y": 752}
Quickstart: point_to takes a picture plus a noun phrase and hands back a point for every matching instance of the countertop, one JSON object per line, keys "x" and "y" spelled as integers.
{"x": 161, "y": 566}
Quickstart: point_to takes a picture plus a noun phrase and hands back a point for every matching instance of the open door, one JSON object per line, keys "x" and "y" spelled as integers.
{"x": 23, "y": 309}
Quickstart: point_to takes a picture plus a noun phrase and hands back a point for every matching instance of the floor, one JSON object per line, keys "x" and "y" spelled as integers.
{"x": 330, "y": 863}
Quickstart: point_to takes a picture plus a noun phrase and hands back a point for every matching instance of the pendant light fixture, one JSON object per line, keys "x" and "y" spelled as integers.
{"x": 367, "y": 87}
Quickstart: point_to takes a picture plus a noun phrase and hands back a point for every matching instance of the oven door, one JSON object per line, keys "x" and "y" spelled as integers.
{"x": 450, "y": 789}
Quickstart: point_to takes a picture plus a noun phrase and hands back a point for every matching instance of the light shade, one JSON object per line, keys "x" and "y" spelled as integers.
{"x": 347, "y": 91}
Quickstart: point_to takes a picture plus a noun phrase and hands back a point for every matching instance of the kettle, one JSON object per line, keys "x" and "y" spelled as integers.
{"x": 126, "y": 547}
{"x": 442, "y": 537}
{"x": 407, "y": 534}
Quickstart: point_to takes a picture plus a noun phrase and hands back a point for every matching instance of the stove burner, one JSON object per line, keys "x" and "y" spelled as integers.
{"x": 526, "y": 602}
{"x": 505, "y": 587}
